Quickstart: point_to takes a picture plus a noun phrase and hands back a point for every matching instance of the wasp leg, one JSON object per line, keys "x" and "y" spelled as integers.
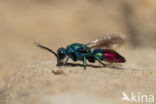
{"x": 100, "y": 62}
{"x": 84, "y": 63}
{"x": 66, "y": 60}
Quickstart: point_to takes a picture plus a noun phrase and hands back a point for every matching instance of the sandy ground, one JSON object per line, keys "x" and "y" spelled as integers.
{"x": 26, "y": 71}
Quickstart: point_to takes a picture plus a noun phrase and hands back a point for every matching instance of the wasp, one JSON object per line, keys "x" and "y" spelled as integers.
{"x": 99, "y": 50}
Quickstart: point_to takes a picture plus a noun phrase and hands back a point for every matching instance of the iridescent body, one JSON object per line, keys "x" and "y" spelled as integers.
{"x": 81, "y": 52}
{"x": 77, "y": 51}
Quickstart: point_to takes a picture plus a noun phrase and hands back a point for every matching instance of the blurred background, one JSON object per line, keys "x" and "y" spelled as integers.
{"x": 57, "y": 23}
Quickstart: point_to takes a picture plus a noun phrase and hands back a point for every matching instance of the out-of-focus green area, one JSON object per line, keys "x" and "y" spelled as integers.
{"x": 56, "y": 23}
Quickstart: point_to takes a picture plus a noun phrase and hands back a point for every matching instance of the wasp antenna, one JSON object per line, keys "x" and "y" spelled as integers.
{"x": 46, "y": 48}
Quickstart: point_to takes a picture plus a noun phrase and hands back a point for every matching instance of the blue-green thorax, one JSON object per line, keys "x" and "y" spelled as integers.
{"x": 77, "y": 51}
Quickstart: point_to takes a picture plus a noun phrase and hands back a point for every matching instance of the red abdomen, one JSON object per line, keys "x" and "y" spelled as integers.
{"x": 108, "y": 55}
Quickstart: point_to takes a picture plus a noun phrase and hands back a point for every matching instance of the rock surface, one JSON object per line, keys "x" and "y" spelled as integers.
{"x": 37, "y": 84}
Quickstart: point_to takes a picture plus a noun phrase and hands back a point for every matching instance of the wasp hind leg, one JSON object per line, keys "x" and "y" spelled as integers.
{"x": 84, "y": 63}
{"x": 100, "y": 62}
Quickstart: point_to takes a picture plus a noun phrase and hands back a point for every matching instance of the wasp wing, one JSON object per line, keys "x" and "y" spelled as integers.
{"x": 108, "y": 41}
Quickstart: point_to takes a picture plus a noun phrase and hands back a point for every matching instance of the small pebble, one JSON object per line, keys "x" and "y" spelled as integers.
{"x": 57, "y": 70}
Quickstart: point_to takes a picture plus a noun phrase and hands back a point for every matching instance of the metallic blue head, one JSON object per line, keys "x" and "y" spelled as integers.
{"x": 61, "y": 53}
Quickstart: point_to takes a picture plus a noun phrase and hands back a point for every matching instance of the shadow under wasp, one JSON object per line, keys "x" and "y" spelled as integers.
{"x": 99, "y": 50}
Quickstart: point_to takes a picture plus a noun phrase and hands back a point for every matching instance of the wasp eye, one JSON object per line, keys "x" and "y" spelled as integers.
{"x": 61, "y": 53}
